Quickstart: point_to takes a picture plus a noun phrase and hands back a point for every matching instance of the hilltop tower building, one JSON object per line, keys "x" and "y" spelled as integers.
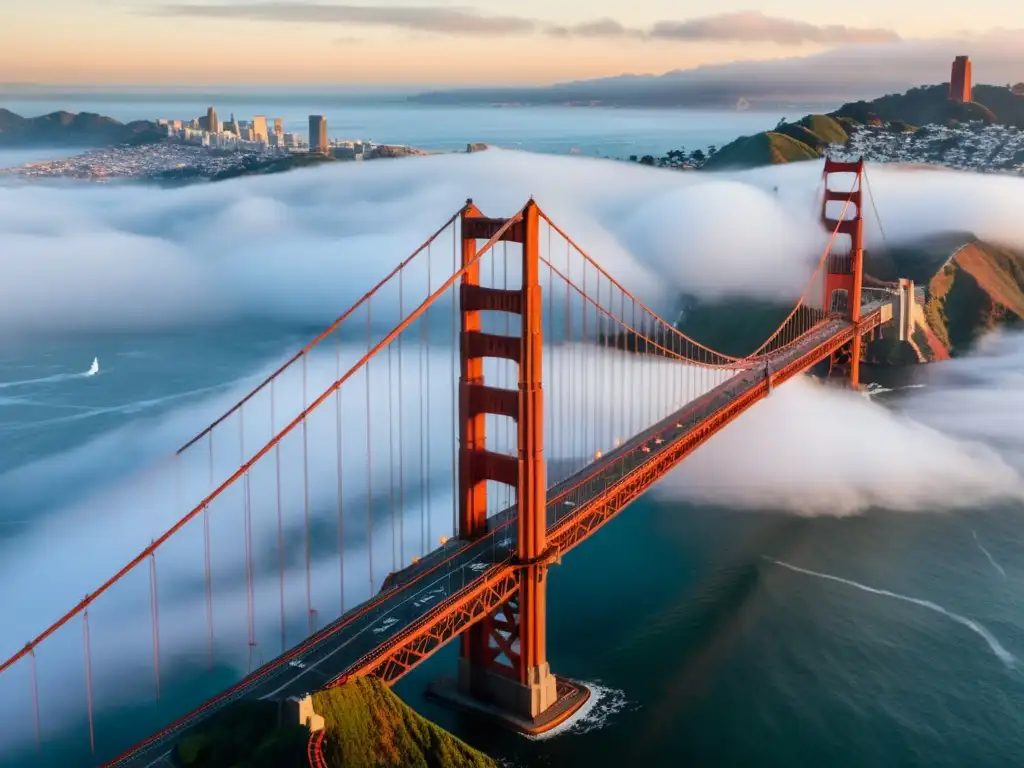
{"x": 960, "y": 80}
{"x": 212, "y": 124}
{"x": 318, "y": 134}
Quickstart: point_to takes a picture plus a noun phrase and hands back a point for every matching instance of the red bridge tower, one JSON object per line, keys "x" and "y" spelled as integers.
{"x": 844, "y": 272}
{"x": 503, "y": 668}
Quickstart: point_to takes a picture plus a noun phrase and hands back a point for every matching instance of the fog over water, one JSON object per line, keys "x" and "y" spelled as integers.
{"x": 85, "y": 263}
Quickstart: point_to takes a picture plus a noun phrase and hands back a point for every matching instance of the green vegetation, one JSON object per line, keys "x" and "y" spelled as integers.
{"x": 244, "y": 734}
{"x": 366, "y": 726}
{"x": 768, "y": 148}
{"x": 809, "y": 137}
{"x": 930, "y": 105}
{"x": 806, "y": 139}
{"x": 370, "y": 727}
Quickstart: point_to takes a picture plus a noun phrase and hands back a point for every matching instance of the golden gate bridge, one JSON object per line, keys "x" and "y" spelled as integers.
{"x": 540, "y": 444}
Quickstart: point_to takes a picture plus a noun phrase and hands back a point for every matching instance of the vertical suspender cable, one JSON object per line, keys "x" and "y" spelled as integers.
{"x": 391, "y": 456}
{"x": 453, "y": 371}
{"x": 34, "y": 682}
{"x": 426, "y": 435}
{"x": 338, "y": 436}
{"x": 280, "y": 521}
{"x": 369, "y": 451}
{"x": 88, "y": 677}
{"x": 305, "y": 490}
{"x": 401, "y": 432}
{"x": 155, "y": 618}
{"x": 208, "y": 566}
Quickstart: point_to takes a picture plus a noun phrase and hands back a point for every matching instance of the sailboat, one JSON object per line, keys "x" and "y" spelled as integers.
{"x": 94, "y": 368}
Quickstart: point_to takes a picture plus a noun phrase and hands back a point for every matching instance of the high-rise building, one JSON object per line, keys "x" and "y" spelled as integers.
{"x": 960, "y": 79}
{"x": 278, "y": 126}
{"x": 213, "y": 125}
{"x": 318, "y": 134}
{"x": 259, "y": 128}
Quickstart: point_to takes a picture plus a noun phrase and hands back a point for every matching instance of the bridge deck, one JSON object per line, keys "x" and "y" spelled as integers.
{"x": 367, "y": 638}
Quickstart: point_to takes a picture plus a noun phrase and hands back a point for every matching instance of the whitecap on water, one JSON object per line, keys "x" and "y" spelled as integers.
{"x": 604, "y": 703}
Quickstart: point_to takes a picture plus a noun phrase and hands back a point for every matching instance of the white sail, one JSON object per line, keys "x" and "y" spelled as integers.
{"x": 94, "y": 368}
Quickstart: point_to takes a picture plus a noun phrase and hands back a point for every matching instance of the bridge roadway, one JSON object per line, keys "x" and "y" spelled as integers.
{"x": 409, "y": 595}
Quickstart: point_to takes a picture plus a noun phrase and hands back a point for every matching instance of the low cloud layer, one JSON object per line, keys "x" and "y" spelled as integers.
{"x": 298, "y": 247}
{"x": 301, "y": 247}
{"x": 742, "y": 27}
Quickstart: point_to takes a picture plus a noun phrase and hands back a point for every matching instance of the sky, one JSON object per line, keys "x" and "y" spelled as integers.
{"x": 447, "y": 42}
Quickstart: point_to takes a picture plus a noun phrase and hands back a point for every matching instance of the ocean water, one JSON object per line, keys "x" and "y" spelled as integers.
{"x": 712, "y": 635}
{"x": 602, "y": 132}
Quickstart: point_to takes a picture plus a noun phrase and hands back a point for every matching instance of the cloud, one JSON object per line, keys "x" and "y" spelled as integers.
{"x": 749, "y": 26}
{"x": 295, "y": 249}
{"x": 438, "y": 19}
{"x": 599, "y": 28}
{"x": 756, "y": 27}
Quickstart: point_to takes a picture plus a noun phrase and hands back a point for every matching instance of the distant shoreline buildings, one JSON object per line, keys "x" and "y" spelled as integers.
{"x": 258, "y": 136}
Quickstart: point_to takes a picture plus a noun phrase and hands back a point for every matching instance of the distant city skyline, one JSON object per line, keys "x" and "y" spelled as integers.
{"x": 449, "y": 43}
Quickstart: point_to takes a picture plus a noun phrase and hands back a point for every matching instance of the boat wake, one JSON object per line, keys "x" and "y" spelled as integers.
{"x": 93, "y": 370}
{"x": 988, "y": 554}
{"x": 997, "y": 648}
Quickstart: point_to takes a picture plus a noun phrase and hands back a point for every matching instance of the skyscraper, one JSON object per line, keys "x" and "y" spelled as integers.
{"x": 278, "y": 126}
{"x": 318, "y": 134}
{"x": 960, "y": 79}
{"x": 259, "y": 128}
{"x": 212, "y": 125}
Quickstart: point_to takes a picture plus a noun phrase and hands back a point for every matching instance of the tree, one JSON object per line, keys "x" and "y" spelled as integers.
{"x": 712, "y": 151}
{"x": 675, "y": 158}
{"x": 698, "y": 158}
{"x": 781, "y": 123}
{"x": 647, "y": 160}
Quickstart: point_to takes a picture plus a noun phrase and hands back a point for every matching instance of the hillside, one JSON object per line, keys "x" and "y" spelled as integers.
{"x": 929, "y": 105}
{"x": 84, "y": 129}
{"x": 370, "y": 727}
{"x": 366, "y": 726}
{"x": 970, "y": 286}
{"x": 805, "y": 139}
{"x": 979, "y": 288}
{"x": 810, "y": 137}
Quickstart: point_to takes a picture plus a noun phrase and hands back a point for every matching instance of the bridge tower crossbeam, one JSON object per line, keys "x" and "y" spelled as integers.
{"x": 844, "y": 273}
